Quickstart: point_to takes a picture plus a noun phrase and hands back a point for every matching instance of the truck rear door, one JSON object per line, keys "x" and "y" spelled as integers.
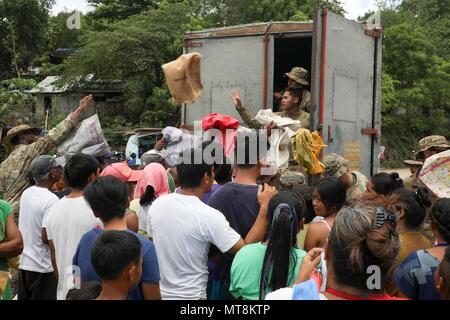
{"x": 228, "y": 63}
{"x": 346, "y": 89}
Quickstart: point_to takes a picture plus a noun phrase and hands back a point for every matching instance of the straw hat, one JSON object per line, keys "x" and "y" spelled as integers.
{"x": 183, "y": 78}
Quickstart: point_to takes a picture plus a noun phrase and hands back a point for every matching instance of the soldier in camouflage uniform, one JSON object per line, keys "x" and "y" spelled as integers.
{"x": 412, "y": 182}
{"x": 290, "y": 179}
{"x": 27, "y": 146}
{"x": 298, "y": 77}
{"x": 291, "y": 102}
{"x": 355, "y": 181}
{"x": 428, "y": 146}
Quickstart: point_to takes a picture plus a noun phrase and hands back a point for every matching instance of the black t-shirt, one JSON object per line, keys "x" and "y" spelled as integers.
{"x": 239, "y": 205}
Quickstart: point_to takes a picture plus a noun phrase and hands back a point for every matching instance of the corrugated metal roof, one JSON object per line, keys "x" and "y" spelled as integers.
{"x": 46, "y": 86}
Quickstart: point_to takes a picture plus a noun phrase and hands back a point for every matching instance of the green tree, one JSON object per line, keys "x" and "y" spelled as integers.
{"x": 121, "y": 9}
{"x": 133, "y": 51}
{"x": 29, "y": 19}
{"x": 416, "y": 99}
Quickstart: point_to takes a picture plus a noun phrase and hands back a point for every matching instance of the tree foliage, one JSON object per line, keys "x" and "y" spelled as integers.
{"x": 416, "y": 95}
{"x": 29, "y": 20}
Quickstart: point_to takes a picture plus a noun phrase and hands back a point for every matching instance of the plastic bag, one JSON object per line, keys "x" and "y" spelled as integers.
{"x": 87, "y": 139}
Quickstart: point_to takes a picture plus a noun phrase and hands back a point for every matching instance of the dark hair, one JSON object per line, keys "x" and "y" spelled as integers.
{"x": 306, "y": 192}
{"x": 296, "y": 92}
{"x": 414, "y": 204}
{"x": 285, "y": 212}
{"x": 108, "y": 197}
{"x": 223, "y": 173}
{"x": 245, "y": 154}
{"x": 191, "y": 174}
{"x": 133, "y": 155}
{"x": 332, "y": 192}
{"x": 148, "y": 196}
{"x": 222, "y": 166}
{"x": 445, "y": 268}
{"x": 440, "y": 216}
{"x": 89, "y": 291}
{"x": 15, "y": 140}
{"x": 385, "y": 183}
{"x": 113, "y": 251}
{"x": 356, "y": 244}
{"x": 78, "y": 170}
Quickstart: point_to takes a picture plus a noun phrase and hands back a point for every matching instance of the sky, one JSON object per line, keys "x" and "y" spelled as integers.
{"x": 354, "y": 8}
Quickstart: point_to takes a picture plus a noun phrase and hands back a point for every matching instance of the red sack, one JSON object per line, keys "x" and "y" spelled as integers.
{"x": 222, "y": 123}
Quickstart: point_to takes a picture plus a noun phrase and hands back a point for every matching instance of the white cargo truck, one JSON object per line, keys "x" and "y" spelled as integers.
{"x": 344, "y": 61}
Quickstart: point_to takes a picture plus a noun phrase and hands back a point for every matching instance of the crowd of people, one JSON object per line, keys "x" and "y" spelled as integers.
{"x": 199, "y": 230}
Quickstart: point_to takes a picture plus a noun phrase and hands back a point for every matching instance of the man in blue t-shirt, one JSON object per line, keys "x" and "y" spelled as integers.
{"x": 237, "y": 200}
{"x": 108, "y": 198}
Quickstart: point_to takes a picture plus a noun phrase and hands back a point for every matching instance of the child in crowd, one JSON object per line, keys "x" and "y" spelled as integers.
{"x": 328, "y": 198}
{"x": 415, "y": 276}
{"x": 262, "y": 267}
{"x": 306, "y": 193}
{"x": 123, "y": 172}
{"x": 70, "y": 218}
{"x": 353, "y": 249}
{"x": 116, "y": 257}
{"x": 153, "y": 184}
{"x": 384, "y": 184}
{"x": 412, "y": 208}
{"x": 108, "y": 199}
{"x": 88, "y": 291}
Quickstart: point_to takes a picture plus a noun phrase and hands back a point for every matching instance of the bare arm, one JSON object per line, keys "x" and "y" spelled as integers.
{"x": 314, "y": 235}
{"x": 44, "y": 236}
{"x": 53, "y": 254}
{"x": 13, "y": 246}
{"x": 151, "y": 291}
{"x": 258, "y": 231}
{"x": 133, "y": 221}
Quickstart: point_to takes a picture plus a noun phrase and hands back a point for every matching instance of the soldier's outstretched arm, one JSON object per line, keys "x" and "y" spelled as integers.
{"x": 58, "y": 133}
{"x": 248, "y": 118}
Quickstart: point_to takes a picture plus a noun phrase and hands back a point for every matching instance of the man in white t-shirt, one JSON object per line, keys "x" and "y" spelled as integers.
{"x": 37, "y": 281}
{"x": 183, "y": 228}
{"x": 69, "y": 219}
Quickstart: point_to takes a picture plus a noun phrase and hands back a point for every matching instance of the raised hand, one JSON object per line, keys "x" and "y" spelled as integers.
{"x": 236, "y": 97}
{"x": 309, "y": 263}
{"x": 265, "y": 194}
{"x": 85, "y": 102}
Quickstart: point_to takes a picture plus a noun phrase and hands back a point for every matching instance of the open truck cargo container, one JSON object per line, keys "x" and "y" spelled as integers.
{"x": 344, "y": 61}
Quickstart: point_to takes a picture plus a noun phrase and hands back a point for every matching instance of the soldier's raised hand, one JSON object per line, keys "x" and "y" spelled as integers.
{"x": 236, "y": 96}
{"x": 85, "y": 102}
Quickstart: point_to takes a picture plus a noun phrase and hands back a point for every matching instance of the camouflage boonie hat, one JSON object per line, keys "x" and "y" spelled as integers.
{"x": 299, "y": 75}
{"x": 14, "y": 132}
{"x": 290, "y": 178}
{"x": 438, "y": 142}
{"x": 335, "y": 165}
